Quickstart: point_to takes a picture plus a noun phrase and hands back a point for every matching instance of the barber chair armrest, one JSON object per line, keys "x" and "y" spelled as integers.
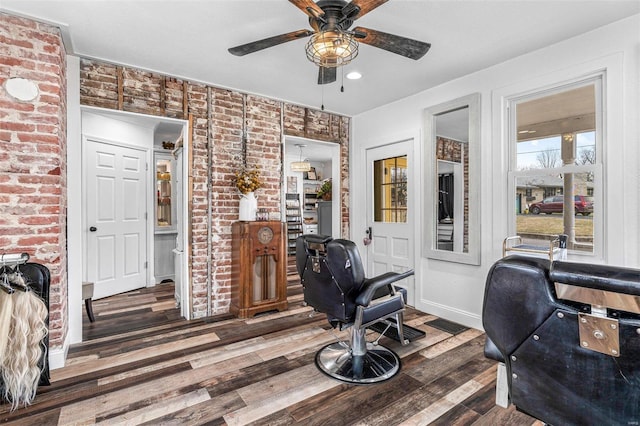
{"x": 597, "y": 277}
{"x": 491, "y": 351}
{"x": 370, "y": 285}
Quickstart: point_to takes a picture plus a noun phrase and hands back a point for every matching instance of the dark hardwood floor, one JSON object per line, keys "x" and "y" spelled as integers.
{"x": 142, "y": 364}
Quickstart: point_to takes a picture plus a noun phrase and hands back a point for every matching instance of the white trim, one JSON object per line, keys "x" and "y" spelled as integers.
{"x": 468, "y": 319}
{"x": 75, "y": 253}
{"x": 58, "y": 356}
{"x": 185, "y": 292}
{"x": 472, "y": 256}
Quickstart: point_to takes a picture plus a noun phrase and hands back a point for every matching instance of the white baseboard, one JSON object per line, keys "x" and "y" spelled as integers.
{"x": 465, "y": 318}
{"x": 160, "y": 278}
{"x": 58, "y": 356}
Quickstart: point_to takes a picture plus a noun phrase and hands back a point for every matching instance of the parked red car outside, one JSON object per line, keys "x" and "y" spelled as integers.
{"x": 555, "y": 204}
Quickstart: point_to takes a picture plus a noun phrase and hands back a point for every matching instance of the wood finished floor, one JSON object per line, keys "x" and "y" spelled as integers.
{"x": 142, "y": 364}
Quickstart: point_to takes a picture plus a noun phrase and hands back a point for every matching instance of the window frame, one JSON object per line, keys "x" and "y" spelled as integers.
{"x": 597, "y": 79}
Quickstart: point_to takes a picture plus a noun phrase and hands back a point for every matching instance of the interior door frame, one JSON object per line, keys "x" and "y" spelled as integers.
{"x": 413, "y": 202}
{"x": 77, "y": 241}
{"x": 336, "y": 164}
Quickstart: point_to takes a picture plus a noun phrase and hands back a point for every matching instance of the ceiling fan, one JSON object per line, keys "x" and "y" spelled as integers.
{"x": 332, "y": 43}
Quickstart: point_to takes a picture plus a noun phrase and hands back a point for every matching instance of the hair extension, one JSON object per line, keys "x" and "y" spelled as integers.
{"x": 20, "y": 370}
{"x": 6, "y": 308}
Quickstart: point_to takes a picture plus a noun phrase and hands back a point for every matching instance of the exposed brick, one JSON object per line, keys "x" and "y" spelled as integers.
{"x": 141, "y": 93}
{"x": 32, "y": 222}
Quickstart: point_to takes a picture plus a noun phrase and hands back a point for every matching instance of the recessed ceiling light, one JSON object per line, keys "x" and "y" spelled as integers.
{"x": 354, "y": 75}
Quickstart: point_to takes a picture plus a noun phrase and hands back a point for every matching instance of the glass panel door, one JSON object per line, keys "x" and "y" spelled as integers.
{"x": 390, "y": 237}
{"x": 390, "y": 189}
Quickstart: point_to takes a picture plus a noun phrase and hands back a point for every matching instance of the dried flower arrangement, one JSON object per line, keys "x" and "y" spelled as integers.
{"x": 247, "y": 180}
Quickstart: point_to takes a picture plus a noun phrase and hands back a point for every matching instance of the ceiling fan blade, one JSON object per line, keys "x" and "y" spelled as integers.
{"x": 358, "y": 8}
{"x": 268, "y": 42}
{"x": 326, "y": 75}
{"x": 309, "y": 7}
{"x": 407, "y": 47}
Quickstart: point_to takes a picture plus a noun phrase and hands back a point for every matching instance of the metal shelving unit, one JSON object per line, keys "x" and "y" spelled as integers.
{"x": 294, "y": 221}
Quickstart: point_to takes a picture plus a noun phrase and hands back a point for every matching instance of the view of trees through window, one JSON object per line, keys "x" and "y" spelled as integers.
{"x": 554, "y": 167}
{"x": 547, "y": 153}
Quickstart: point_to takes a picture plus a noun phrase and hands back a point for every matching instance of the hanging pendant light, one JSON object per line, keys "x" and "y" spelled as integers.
{"x": 302, "y": 165}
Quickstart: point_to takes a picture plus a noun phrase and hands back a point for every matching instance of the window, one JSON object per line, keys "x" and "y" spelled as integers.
{"x": 390, "y": 189}
{"x": 555, "y": 165}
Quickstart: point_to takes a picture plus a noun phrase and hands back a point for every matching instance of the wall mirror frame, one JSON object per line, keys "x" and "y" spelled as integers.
{"x": 452, "y": 234}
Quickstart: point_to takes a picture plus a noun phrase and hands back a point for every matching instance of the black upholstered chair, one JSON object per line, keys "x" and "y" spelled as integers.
{"x": 334, "y": 283}
{"x": 567, "y": 336}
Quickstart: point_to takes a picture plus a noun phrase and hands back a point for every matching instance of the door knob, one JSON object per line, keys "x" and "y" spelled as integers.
{"x": 367, "y": 240}
{"x": 93, "y": 229}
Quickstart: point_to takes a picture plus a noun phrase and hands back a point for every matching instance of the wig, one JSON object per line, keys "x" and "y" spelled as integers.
{"x": 27, "y": 329}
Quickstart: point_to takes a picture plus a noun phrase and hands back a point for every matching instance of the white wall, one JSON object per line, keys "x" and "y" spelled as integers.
{"x": 99, "y": 125}
{"x": 455, "y": 291}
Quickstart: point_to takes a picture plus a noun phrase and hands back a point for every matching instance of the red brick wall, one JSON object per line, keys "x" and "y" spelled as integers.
{"x": 220, "y": 110}
{"x": 33, "y": 156}
{"x": 197, "y": 104}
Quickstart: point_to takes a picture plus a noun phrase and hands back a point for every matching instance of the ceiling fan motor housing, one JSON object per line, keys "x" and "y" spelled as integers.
{"x": 334, "y": 17}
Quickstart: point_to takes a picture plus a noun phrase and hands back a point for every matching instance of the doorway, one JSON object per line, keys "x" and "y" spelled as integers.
{"x": 317, "y": 214}
{"x": 389, "y": 212}
{"x": 151, "y": 137}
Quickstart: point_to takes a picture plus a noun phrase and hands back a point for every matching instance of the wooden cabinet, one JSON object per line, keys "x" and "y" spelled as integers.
{"x": 258, "y": 268}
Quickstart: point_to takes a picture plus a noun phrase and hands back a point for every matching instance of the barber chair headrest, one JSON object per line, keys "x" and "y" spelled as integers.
{"x": 314, "y": 244}
{"x": 598, "y": 277}
{"x": 308, "y": 245}
{"x": 600, "y": 286}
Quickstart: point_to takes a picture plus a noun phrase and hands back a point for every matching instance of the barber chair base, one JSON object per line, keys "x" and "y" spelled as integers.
{"x": 376, "y": 365}
{"x": 410, "y": 334}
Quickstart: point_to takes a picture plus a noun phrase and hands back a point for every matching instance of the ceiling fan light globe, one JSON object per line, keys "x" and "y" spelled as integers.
{"x": 331, "y": 49}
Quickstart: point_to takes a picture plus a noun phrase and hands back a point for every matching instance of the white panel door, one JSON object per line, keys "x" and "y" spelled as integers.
{"x": 389, "y": 212}
{"x": 115, "y": 217}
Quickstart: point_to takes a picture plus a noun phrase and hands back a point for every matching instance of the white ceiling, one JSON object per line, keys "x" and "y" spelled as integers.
{"x": 190, "y": 38}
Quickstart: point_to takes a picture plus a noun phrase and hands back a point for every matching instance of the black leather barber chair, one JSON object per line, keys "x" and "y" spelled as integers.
{"x": 333, "y": 281}
{"x": 568, "y": 335}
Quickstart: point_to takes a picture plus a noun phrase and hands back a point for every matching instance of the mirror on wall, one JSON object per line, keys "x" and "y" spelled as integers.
{"x": 452, "y": 203}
